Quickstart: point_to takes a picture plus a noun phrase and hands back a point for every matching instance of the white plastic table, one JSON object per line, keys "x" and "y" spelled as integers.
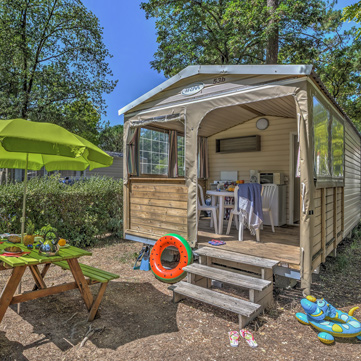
{"x": 221, "y": 195}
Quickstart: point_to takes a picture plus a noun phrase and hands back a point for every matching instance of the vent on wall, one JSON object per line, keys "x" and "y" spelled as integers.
{"x": 250, "y": 143}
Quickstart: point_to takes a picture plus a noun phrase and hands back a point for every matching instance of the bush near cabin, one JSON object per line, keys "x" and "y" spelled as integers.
{"x": 81, "y": 212}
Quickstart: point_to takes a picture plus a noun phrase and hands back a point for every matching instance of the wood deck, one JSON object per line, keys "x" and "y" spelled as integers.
{"x": 283, "y": 245}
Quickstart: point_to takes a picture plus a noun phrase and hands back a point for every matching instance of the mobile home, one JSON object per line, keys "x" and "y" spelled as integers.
{"x": 208, "y": 122}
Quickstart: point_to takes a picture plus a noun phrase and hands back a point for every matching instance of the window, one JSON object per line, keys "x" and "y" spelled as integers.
{"x": 337, "y": 132}
{"x": 153, "y": 151}
{"x": 321, "y": 137}
{"x": 181, "y": 147}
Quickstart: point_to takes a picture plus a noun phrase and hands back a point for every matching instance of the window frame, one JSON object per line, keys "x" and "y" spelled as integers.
{"x": 325, "y": 181}
{"x": 162, "y": 176}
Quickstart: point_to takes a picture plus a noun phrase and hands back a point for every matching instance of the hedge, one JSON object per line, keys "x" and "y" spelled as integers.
{"x": 81, "y": 212}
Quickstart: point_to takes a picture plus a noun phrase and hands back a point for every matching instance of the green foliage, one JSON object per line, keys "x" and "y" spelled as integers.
{"x": 236, "y": 31}
{"x": 111, "y": 138}
{"x": 239, "y": 32}
{"x": 47, "y": 230}
{"x": 53, "y": 64}
{"x": 80, "y": 213}
{"x": 339, "y": 69}
{"x": 353, "y": 13}
{"x": 30, "y": 227}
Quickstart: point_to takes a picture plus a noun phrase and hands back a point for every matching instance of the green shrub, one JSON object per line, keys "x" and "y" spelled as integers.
{"x": 80, "y": 212}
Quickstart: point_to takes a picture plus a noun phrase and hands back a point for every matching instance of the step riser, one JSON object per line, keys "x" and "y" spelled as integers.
{"x": 266, "y": 274}
{"x": 232, "y": 270}
{"x": 236, "y": 257}
{"x": 228, "y": 277}
{"x": 226, "y": 302}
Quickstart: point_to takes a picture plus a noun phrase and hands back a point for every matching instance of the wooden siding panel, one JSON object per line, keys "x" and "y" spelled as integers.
{"x": 352, "y": 197}
{"x": 115, "y": 170}
{"x": 157, "y": 207}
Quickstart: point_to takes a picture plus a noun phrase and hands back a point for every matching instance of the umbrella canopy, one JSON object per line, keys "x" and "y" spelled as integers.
{"x": 24, "y": 136}
{"x": 31, "y": 145}
{"x": 55, "y": 162}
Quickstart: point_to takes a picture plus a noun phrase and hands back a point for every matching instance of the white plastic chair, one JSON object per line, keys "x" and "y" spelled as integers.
{"x": 238, "y": 218}
{"x": 268, "y": 192}
{"x": 203, "y": 207}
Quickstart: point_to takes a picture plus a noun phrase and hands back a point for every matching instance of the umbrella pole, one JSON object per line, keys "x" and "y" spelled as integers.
{"x": 24, "y": 198}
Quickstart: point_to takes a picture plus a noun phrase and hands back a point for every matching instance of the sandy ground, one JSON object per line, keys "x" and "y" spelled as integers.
{"x": 138, "y": 321}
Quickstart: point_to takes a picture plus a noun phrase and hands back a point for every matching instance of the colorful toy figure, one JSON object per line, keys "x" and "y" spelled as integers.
{"x": 327, "y": 319}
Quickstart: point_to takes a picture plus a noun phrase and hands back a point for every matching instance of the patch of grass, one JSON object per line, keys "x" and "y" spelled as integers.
{"x": 342, "y": 261}
{"x": 128, "y": 256}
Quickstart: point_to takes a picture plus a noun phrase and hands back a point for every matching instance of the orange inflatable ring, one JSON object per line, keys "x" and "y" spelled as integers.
{"x": 186, "y": 257}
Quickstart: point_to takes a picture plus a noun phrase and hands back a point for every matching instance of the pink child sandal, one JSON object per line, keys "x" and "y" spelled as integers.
{"x": 233, "y": 338}
{"x": 248, "y": 337}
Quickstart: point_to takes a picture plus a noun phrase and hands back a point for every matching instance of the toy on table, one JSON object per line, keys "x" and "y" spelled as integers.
{"x": 327, "y": 319}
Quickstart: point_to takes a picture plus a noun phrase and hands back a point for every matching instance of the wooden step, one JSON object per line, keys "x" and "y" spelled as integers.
{"x": 228, "y": 277}
{"x": 229, "y": 303}
{"x": 236, "y": 257}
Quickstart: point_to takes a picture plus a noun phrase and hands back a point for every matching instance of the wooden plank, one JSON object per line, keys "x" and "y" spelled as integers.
{"x": 37, "y": 276}
{"x": 97, "y": 302}
{"x": 317, "y": 211}
{"x": 160, "y": 203}
{"x": 317, "y": 239}
{"x": 158, "y": 195}
{"x": 134, "y": 222}
{"x": 343, "y": 210}
{"x": 330, "y": 248}
{"x": 323, "y": 226}
{"x": 316, "y": 262}
{"x": 81, "y": 282}
{"x": 317, "y": 221}
{"x": 9, "y": 289}
{"x": 28, "y": 296}
{"x": 153, "y": 231}
{"x": 329, "y": 192}
{"x": 159, "y": 210}
{"x": 220, "y": 300}
{"x": 43, "y": 273}
{"x": 159, "y": 217}
{"x": 335, "y": 218}
{"x": 317, "y": 193}
{"x": 227, "y": 277}
{"x": 317, "y": 203}
{"x": 316, "y": 248}
{"x": 91, "y": 272}
{"x": 161, "y": 188}
{"x": 239, "y": 258}
{"x": 317, "y": 229}
{"x": 263, "y": 298}
{"x": 126, "y": 207}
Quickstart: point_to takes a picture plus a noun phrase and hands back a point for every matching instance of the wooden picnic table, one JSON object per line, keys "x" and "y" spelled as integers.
{"x": 67, "y": 259}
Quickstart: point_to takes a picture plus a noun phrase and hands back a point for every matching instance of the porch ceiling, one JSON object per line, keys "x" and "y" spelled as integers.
{"x": 221, "y": 119}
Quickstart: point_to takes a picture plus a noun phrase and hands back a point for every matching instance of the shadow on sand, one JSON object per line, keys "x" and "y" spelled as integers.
{"x": 129, "y": 311}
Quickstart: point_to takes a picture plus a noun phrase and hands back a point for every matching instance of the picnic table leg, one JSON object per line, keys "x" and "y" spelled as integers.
{"x": 97, "y": 301}
{"x": 43, "y": 273}
{"x": 10, "y": 288}
{"x": 81, "y": 282}
{"x": 39, "y": 281}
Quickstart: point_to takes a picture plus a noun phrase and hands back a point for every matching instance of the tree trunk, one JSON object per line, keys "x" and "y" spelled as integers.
{"x": 272, "y": 43}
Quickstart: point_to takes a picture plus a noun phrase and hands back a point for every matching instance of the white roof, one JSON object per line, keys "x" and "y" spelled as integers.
{"x": 193, "y": 70}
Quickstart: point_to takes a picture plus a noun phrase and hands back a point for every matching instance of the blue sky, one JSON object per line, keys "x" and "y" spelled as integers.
{"x": 131, "y": 39}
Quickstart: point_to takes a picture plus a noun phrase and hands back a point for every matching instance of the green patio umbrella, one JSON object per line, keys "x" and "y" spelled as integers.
{"x": 32, "y": 145}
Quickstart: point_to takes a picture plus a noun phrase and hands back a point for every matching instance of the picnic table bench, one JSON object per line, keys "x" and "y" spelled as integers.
{"x": 68, "y": 260}
{"x": 95, "y": 275}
